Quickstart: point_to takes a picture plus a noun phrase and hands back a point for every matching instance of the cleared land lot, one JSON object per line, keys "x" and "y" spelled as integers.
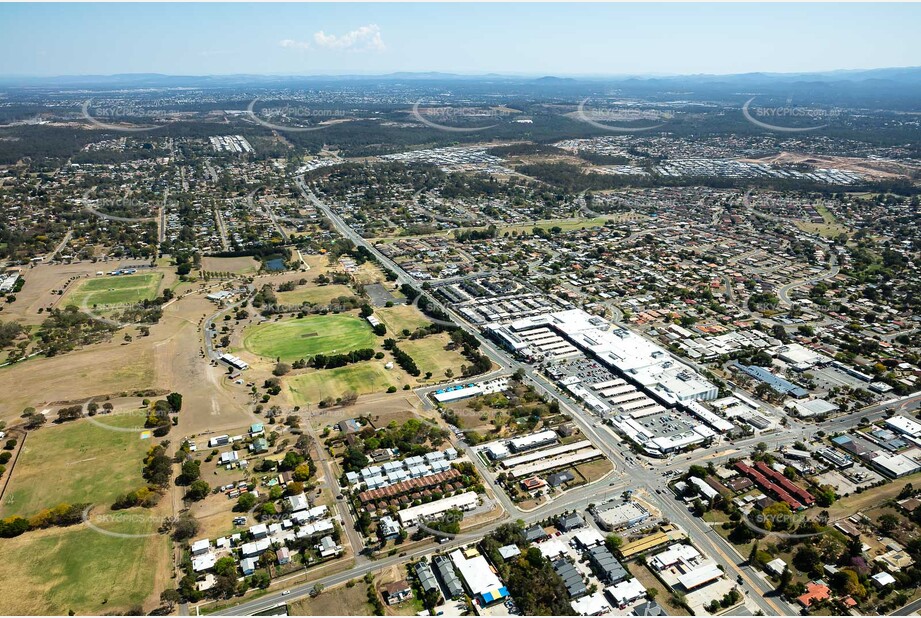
{"x": 239, "y": 265}
{"x": 76, "y": 568}
{"x": 321, "y": 295}
{"x": 76, "y": 462}
{"x": 401, "y": 316}
{"x": 294, "y": 338}
{"x": 98, "y": 370}
{"x": 342, "y": 601}
{"x": 368, "y": 273}
{"x": 363, "y": 378}
{"x": 828, "y": 230}
{"x": 856, "y": 503}
{"x": 112, "y": 290}
{"x": 430, "y": 355}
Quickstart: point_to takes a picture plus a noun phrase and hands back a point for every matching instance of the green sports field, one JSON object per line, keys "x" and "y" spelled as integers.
{"x": 295, "y": 338}
{"x": 112, "y": 290}
{"x": 363, "y": 378}
{"x": 77, "y": 568}
{"x": 77, "y": 462}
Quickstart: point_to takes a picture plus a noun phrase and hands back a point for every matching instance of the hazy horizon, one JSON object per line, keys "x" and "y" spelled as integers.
{"x": 509, "y": 74}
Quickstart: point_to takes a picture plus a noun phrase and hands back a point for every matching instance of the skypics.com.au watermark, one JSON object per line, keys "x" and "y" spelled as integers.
{"x": 450, "y": 118}
{"x": 599, "y": 117}
{"x": 784, "y": 525}
{"x": 114, "y": 113}
{"x": 104, "y": 523}
{"x": 292, "y": 111}
{"x": 121, "y": 204}
{"x": 769, "y": 117}
{"x": 140, "y": 414}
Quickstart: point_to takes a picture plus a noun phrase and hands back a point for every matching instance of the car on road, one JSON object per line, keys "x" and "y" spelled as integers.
{"x": 285, "y": 593}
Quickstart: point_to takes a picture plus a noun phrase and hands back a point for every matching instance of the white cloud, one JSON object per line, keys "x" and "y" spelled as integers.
{"x": 365, "y": 38}
{"x": 292, "y": 44}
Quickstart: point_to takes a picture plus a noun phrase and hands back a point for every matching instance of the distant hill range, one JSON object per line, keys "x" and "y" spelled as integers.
{"x": 873, "y": 87}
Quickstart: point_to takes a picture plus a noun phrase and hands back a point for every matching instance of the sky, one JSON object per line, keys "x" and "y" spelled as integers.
{"x": 517, "y": 38}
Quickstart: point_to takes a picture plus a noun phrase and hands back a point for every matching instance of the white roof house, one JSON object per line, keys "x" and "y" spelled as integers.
{"x": 708, "y": 492}
{"x": 533, "y": 440}
{"x": 298, "y": 502}
{"x": 677, "y": 553}
{"x": 256, "y": 548}
{"x": 509, "y": 551}
{"x": 328, "y": 547}
{"x": 497, "y": 450}
{"x": 203, "y": 562}
{"x": 700, "y": 576}
{"x": 776, "y": 566}
{"x": 589, "y": 537}
{"x": 465, "y": 501}
{"x": 895, "y": 466}
{"x": 596, "y": 604}
{"x": 475, "y": 572}
{"x": 324, "y": 525}
{"x": 626, "y": 591}
{"x": 201, "y": 546}
{"x": 883, "y": 579}
{"x": 248, "y": 565}
{"x": 552, "y": 548}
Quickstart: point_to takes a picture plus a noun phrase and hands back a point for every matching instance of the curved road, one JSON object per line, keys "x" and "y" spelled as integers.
{"x": 784, "y": 293}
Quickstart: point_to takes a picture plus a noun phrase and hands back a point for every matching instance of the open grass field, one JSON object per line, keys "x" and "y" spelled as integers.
{"x": 430, "y": 355}
{"x": 240, "y": 265}
{"x": 318, "y": 295}
{"x": 109, "y": 290}
{"x": 398, "y": 317}
{"x": 593, "y": 470}
{"x": 76, "y": 462}
{"x": 97, "y": 370}
{"x": 363, "y": 378}
{"x": 341, "y": 601}
{"x": 828, "y": 230}
{"x": 856, "y": 503}
{"x": 76, "y": 568}
{"x": 294, "y": 338}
